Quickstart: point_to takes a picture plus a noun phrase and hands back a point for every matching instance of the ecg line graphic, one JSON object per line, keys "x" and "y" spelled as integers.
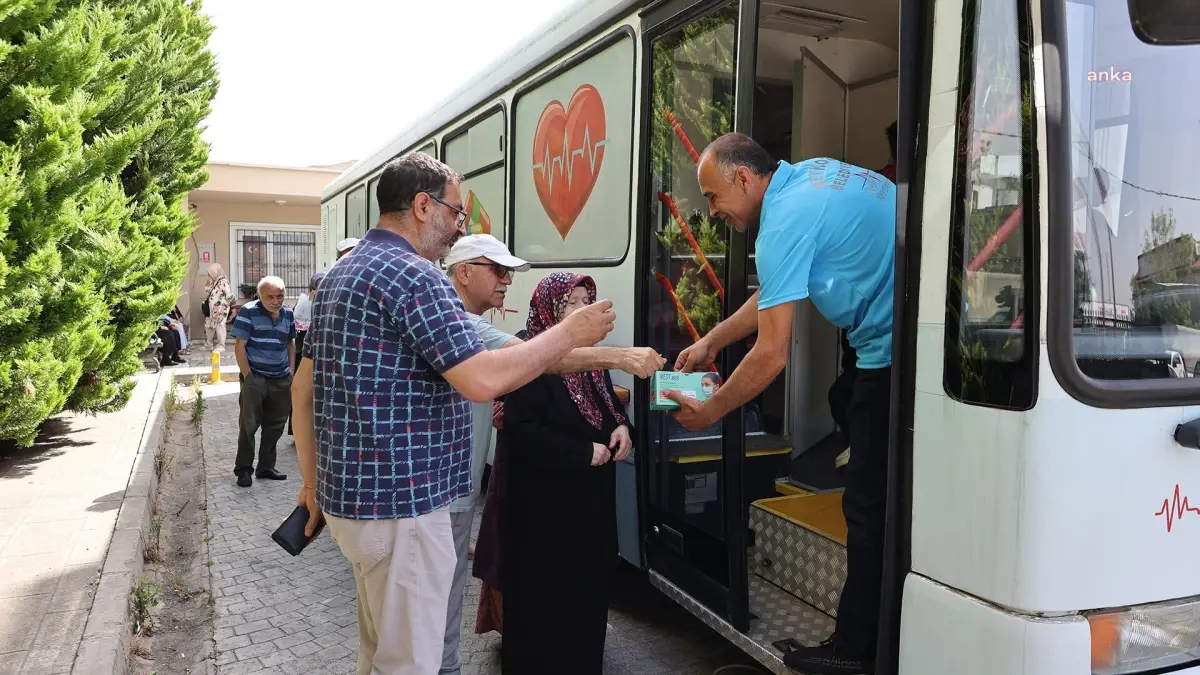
{"x": 589, "y": 150}
{"x": 1175, "y": 508}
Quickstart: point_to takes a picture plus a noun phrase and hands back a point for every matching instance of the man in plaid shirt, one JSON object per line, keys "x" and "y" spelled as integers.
{"x": 390, "y": 367}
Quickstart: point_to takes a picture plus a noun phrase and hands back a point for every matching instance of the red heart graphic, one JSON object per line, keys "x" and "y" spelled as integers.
{"x": 568, "y": 150}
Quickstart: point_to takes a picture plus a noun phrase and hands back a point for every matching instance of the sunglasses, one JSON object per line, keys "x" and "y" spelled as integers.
{"x": 462, "y": 215}
{"x": 500, "y": 270}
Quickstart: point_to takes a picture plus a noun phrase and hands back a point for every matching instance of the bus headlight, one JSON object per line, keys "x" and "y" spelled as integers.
{"x": 1146, "y": 637}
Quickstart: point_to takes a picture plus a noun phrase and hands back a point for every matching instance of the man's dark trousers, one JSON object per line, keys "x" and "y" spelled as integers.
{"x": 266, "y": 402}
{"x": 864, "y": 503}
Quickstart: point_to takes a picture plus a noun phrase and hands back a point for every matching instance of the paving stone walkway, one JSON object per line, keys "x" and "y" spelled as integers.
{"x": 282, "y": 615}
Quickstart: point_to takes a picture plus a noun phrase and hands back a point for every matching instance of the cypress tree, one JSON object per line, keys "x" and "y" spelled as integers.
{"x": 99, "y": 145}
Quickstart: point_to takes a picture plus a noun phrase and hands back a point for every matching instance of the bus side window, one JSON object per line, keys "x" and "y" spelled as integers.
{"x": 572, "y": 180}
{"x": 991, "y": 314}
{"x": 477, "y": 152}
{"x": 372, "y": 203}
{"x": 356, "y": 212}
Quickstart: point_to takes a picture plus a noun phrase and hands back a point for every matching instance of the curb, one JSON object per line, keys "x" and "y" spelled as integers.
{"x": 203, "y": 557}
{"x": 104, "y": 649}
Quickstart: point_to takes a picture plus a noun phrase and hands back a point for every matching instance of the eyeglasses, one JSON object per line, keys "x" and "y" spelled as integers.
{"x": 462, "y": 215}
{"x": 500, "y": 270}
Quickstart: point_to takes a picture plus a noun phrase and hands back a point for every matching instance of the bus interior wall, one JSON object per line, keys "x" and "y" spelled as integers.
{"x": 826, "y": 86}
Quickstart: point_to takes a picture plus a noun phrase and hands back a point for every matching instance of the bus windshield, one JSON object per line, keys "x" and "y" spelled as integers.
{"x": 1135, "y": 144}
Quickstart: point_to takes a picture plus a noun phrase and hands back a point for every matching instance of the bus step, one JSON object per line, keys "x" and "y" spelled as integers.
{"x": 800, "y": 546}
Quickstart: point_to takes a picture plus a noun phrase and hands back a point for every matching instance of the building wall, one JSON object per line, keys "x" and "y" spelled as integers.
{"x": 213, "y": 219}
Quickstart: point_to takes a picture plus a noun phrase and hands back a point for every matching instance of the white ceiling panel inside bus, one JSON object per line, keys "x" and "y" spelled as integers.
{"x": 868, "y": 20}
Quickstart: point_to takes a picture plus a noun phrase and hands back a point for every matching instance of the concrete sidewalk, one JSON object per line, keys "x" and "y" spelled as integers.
{"x": 59, "y": 502}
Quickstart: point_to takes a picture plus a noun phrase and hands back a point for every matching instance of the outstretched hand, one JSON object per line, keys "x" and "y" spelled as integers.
{"x": 691, "y": 414}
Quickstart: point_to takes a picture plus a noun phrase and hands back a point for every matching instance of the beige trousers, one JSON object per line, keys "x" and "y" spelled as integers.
{"x": 403, "y": 569}
{"x": 214, "y": 335}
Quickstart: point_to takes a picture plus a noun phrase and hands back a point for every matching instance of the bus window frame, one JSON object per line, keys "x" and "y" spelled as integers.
{"x": 373, "y": 199}
{"x": 365, "y": 206}
{"x": 465, "y": 127}
{"x": 1024, "y": 395}
{"x": 1060, "y": 311}
{"x": 502, "y": 163}
{"x": 612, "y": 37}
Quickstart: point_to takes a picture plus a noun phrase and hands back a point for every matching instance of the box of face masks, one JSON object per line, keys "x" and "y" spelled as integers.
{"x": 698, "y": 386}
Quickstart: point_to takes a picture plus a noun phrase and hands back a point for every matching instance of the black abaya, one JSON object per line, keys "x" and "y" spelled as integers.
{"x": 560, "y": 533}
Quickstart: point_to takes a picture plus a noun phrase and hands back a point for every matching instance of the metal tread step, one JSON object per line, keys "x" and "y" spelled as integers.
{"x": 799, "y": 545}
{"x": 779, "y": 616}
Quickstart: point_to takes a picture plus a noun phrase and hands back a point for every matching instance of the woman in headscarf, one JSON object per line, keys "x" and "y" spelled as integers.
{"x": 562, "y": 434}
{"x": 219, "y": 298}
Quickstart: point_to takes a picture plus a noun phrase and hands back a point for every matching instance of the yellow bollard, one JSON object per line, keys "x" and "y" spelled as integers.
{"x": 215, "y": 377}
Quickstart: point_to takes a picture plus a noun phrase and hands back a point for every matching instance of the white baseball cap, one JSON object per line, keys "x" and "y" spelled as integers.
{"x": 346, "y": 244}
{"x": 484, "y": 246}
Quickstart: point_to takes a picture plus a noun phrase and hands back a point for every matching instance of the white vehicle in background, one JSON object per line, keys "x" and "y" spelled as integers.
{"x": 1043, "y": 519}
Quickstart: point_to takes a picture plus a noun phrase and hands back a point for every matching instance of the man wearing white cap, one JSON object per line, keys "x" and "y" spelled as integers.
{"x": 481, "y": 269}
{"x": 345, "y": 246}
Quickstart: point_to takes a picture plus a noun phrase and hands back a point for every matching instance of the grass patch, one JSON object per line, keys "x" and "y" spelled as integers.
{"x": 146, "y": 595}
{"x": 199, "y": 405}
{"x": 140, "y": 650}
{"x": 162, "y": 460}
{"x": 152, "y": 544}
{"x": 172, "y": 401}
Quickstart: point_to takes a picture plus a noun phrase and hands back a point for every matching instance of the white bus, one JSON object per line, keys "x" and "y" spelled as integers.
{"x": 1042, "y": 517}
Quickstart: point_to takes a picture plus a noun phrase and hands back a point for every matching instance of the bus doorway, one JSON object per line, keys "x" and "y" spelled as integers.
{"x": 742, "y": 522}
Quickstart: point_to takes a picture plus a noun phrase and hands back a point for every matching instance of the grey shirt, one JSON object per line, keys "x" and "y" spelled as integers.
{"x": 481, "y": 417}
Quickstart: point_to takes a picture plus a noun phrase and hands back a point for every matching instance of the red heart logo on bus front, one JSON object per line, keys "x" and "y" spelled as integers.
{"x": 568, "y": 149}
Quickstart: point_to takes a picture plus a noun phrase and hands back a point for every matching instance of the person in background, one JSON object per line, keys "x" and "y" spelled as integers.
{"x": 168, "y": 354}
{"x": 265, "y": 331}
{"x": 303, "y": 316}
{"x": 219, "y": 298}
{"x": 345, "y": 246}
{"x": 889, "y": 171}
{"x": 175, "y": 317}
{"x": 560, "y": 524}
{"x": 482, "y": 269}
{"x": 827, "y": 231}
{"x": 391, "y": 364}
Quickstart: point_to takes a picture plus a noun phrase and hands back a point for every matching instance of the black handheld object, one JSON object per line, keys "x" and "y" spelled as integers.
{"x": 290, "y": 534}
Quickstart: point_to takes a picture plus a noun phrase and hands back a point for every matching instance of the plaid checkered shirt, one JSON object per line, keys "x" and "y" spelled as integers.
{"x": 393, "y": 437}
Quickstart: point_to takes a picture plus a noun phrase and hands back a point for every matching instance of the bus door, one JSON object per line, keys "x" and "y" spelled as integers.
{"x": 698, "y": 83}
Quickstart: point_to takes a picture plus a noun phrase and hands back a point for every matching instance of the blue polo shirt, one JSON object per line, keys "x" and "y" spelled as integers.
{"x": 393, "y": 436}
{"x": 828, "y": 232}
{"x": 266, "y": 339}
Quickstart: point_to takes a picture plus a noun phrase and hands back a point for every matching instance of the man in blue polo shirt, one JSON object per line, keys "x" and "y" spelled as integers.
{"x": 265, "y": 332}
{"x": 827, "y": 231}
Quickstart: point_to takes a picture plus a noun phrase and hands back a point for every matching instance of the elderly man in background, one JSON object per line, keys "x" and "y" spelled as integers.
{"x": 481, "y": 269}
{"x": 345, "y": 246}
{"x": 391, "y": 364}
{"x": 265, "y": 331}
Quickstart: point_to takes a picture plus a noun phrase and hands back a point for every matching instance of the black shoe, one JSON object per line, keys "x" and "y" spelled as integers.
{"x": 177, "y": 359}
{"x": 270, "y": 474}
{"x": 825, "y": 659}
{"x": 244, "y": 479}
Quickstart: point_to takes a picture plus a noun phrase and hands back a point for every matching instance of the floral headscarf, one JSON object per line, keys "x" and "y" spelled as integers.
{"x": 545, "y": 310}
